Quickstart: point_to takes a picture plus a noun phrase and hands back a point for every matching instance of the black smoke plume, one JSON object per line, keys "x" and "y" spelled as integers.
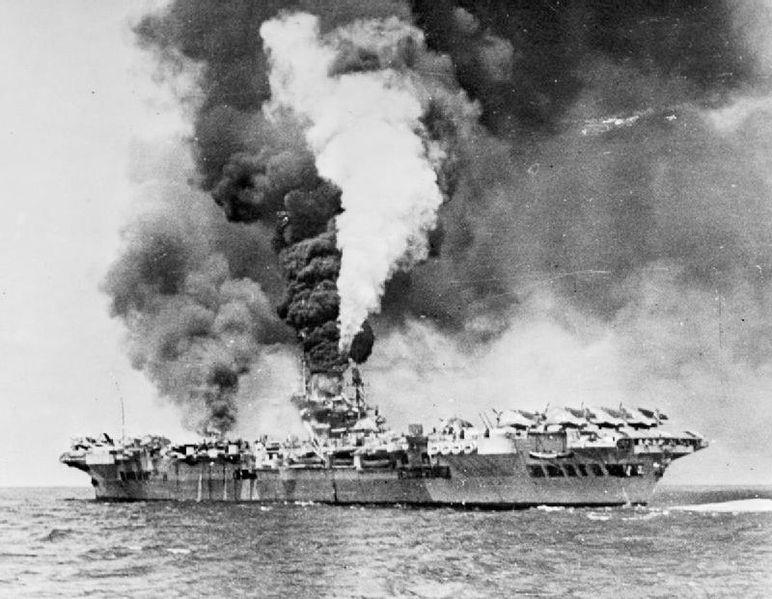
{"x": 195, "y": 326}
{"x": 260, "y": 171}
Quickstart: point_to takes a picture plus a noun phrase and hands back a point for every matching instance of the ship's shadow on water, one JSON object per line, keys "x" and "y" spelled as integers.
{"x": 62, "y": 543}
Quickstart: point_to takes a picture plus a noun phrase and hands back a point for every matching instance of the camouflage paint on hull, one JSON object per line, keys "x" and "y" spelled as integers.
{"x": 460, "y": 480}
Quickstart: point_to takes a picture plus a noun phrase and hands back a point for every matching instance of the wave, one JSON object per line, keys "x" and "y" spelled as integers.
{"x": 646, "y": 516}
{"x": 57, "y": 533}
{"x": 741, "y": 505}
{"x": 551, "y": 508}
{"x": 599, "y": 517}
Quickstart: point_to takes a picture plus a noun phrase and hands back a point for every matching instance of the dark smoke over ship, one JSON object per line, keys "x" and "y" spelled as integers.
{"x": 596, "y": 171}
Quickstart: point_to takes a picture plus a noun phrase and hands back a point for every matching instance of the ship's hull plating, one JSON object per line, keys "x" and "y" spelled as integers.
{"x": 460, "y": 480}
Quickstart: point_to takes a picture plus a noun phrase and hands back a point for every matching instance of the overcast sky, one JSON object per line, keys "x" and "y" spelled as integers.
{"x": 75, "y": 96}
{"x": 77, "y": 101}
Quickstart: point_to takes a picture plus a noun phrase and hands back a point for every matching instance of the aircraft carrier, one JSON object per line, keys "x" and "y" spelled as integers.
{"x": 586, "y": 456}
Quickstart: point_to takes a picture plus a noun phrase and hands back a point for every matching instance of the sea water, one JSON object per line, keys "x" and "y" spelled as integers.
{"x": 706, "y": 542}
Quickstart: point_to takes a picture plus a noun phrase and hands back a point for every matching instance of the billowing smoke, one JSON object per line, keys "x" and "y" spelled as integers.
{"x": 603, "y": 201}
{"x": 552, "y": 196}
{"x": 195, "y": 327}
{"x": 277, "y": 165}
{"x": 364, "y": 109}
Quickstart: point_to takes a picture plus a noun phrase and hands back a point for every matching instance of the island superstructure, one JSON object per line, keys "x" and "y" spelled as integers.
{"x": 582, "y": 456}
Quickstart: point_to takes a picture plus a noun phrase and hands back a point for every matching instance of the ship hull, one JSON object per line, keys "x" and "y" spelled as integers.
{"x": 472, "y": 480}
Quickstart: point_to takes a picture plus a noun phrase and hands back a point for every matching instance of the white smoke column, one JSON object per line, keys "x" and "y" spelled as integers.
{"x": 365, "y": 131}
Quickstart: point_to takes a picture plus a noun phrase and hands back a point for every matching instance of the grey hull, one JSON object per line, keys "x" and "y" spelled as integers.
{"x": 459, "y": 480}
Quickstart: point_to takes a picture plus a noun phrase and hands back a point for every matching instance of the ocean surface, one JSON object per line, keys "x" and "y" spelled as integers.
{"x": 691, "y": 542}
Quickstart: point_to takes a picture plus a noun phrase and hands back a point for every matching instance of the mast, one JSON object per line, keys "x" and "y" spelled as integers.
{"x": 304, "y": 375}
{"x": 123, "y": 410}
{"x": 356, "y": 380}
{"x": 123, "y": 421}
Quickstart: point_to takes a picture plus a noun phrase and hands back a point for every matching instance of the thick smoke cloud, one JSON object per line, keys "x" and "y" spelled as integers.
{"x": 609, "y": 193}
{"x": 277, "y": 171}
{"x": 581, "y": 203}
{"x": 529, "y": 62}
{"x": 365, "y": 99}
{"x": 195, "y": 327}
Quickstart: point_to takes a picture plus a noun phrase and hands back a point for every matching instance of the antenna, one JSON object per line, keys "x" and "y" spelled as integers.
{"x": 123, "y": 409}
{"x": 486, "y": 422}
{"x": 123, "y": 421}
{"x": 722, "y": 373}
